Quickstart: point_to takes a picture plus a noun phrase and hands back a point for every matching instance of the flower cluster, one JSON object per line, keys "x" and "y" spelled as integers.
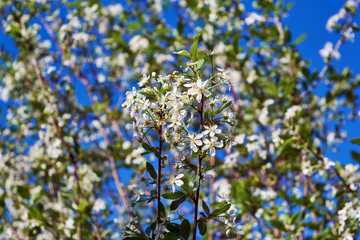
{"x": 188, "y": 119}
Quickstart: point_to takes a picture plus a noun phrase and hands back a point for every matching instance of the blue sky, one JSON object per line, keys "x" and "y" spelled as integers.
{"x": 310, "y": 17}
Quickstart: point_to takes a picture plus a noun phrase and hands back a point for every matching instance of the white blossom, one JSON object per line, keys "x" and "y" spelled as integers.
{"x": 291, "y": 112}
{"x": 211, "y": 130}
{"x": 99, "y": 205}
{"x": 198, "y": 89}
{"x": 176, "y": 180}
{"x": 329, "y": 51}
{"x": 211, "y": 144}
{"x": 195, "y": 141}
{"x": 254, "y": 17}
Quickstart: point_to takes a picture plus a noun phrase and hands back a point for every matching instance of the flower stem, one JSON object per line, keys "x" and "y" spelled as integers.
{"x": 198, "y": 171}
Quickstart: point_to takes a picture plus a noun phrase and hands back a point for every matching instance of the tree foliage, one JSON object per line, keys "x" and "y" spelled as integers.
{"x": 121, "y": 122}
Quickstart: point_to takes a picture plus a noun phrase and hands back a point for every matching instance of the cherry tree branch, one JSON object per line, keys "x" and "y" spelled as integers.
{"x": 6, "y": 222}
{"x": 108, "y": 145}
{"x": 199, "y": 173}
{"x": 159, "y": 170}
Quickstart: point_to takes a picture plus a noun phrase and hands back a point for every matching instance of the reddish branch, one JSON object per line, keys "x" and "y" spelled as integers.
{"x": 110, "y": 154}
{"x": 159, "y": 171}
{"x": 199, "y": 173}
{"x": 6, "y": 222}
{"x": 212, "y": 196}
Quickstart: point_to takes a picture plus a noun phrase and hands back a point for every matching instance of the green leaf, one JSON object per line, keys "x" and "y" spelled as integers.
{"x": 138, "y": 237}
{"x": 145, "y": 153}
{"x": 205, "y": 169}
{"x": 175, "y": 204}
{"x": 161, "y": 31}
{"x": 197, "y": 183}
{"x": 240, "y": 192}
{"x": 206, "y": 208}
{"x": 271, "y": 89}
{"x": 174, "y": 229}
{"x": 194, "y": 49}
{"x": 202, "y": 228}
{"x": 289, "y": 6}
{"x": 220, "y": 210}
{"x": 300, "y": 39}
{"x": 287, "y": 143}
{"x": 288, "y": 89}
{"x": 171, "y": 236}
{"x": 35, "y": 213}
{"x": 190, "y": 165}
{"x": 148, "y": 230}
{"x": 174, "y": 195}
{"x": 185, "y": 228}
{"x": 314, "y": 226}
{"x": 183, "y": 53}
{"x": 82, "y": 205}
{"x": 355, "y": 141}
{"x": 194, "y": 155}
{"x": 133, "y": 26}
{"x": 23, "y": 191}
{"x": 151, "y": 170}
{"x": 222, "y": 108}
{"x": 162, "y": 210}
{"x": 296, "y": 217}
{"x": 278, "y": 224}
{"x": 149, "y": 95}
{"x": 158, "y": 154}
{"x": 355, "y": 156}
{"x": 147, "y": 147}
{"x": 200, "y": 63}
{"x": 92, "y": 2}
{"x": 105, "y": 233}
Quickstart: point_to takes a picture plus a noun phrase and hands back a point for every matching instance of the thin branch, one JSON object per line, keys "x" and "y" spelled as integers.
{"x": 199, "y": 173}
{"x": 4, "y": 220}
{"x": 212, "y": 196}
{"x": 110, "y": 154}
{"x": 159, "y": 170}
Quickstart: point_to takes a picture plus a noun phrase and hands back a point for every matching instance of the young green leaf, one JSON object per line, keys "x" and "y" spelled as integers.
{"x": 355, "y": 156}
{"x": 355, "y": 141}
{"x": 185, "y": 228}
{"x": 278, "y": 224}
{"x": 220, "y": 210}
{"x": 300, "y": 39}
{"x": 205, "y": 169}
{"x": 175, "y": 204}
{"x": 174, "y": 233}
{"x": 223, "y": 107}
{"x": 151, "y": 170}
{"x": 200, "y": 63}
{"x": 162, "y": 210}
{"x": 183, "y": 53}
{"x": 202, "y": 228}
{"x": 23, "y": 191}
{"x": 137, "y": 237}
{"x": 149, "y": 95}
{"x": 296, "y": 217}
{"x": 147, "y": 147}
{"x": 174, "y": 195}
{"x": 194, "y": 49}
{"x": 206, "y": 208}
{"x": 271, "y": 89}
{"x": 197, "y": 183}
